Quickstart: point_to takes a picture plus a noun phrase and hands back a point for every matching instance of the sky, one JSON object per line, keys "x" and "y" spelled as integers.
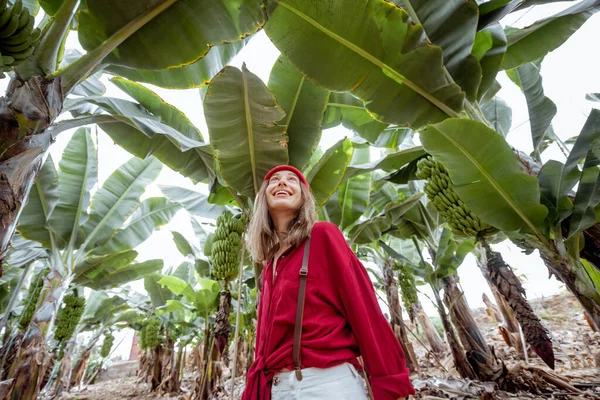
{"x": 568, "y": 74}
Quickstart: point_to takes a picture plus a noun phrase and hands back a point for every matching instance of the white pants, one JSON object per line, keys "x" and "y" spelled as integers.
{"x": 339, "y": 382}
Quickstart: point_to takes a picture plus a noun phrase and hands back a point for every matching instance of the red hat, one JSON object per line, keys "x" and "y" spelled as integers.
{"x": 287, "y": 168}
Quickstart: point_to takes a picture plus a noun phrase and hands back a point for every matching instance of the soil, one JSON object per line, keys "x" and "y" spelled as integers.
{"x": 576, "y": 347}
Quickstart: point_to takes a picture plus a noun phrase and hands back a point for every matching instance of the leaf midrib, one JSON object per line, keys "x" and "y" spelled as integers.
{"x": 75, "y": 228}
{"x": 492, "y": 181}
{"x": 433, "y": 100}
{"x": 294, "y": 102}
{"x": 250, "y": 132}
{"x": 114, "y": 207}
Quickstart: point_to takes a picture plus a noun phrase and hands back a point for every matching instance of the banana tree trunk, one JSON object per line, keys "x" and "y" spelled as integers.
{"x": 156, "y": 367}
{"x": 574, "y": 277}
{"x": 391, "y": 291}
{"x": 28, "y": 368}
{"x": 433, "y": 337}
{"x": 461, "y": 363}
{"x": 501, "y": 276}
{"x": 78, "y": 371}
{"x": 479, "y": 354}
{"x": 28, "y": 108}
{"x": 173, "y": 385}
{"x": 591, "y": 248}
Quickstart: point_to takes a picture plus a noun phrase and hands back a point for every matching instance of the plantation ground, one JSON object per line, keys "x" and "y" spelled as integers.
{"x": 577, "y": 351}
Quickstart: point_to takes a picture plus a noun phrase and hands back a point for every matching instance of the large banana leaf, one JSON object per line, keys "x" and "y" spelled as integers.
{"x": 369, "y": 231}
{"x": 33, "y": 223}
{"x": 304, "y": 104}
{"x": 353, "y": 194}
{"x": 451, "y": 24}
{"x": 194, "y": 202}
{"x": 489, "y": 49}
{"x": 585, "y": 206}
{"x": 151, "y": 214}
{"x": 389, "y": 163}
{"x": 550, "y": 180}
{"x": 178, "y": 36}
{"x": 77, "y": 175}
{"x": 158, "y": 294}
{"x": 537, "y": 40}
{"x": 100, "y": 309}
{"x": 179, "y": 287}
{"x": 242, "y": 115}
{"x": 541, "y": 109}
{"x": 486, "y": 174}
{"x": 117, "y": 199}
{"x": 325, "y": 177}
{"x": 371, "y": 49}
{"x": 499, "y": 114}
{"x": 115, "y": 271}
{"x": 345, "y": 109}
{"x": 51, "y": 6}
{"x": 189, "y": 76}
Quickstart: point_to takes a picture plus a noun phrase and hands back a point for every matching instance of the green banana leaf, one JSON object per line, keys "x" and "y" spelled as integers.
{"x": 189, "y": 76}
{"x": 185, "y": 248}
{"x": 179, "y": 287}
{"x": 207, "y": 298}
{"x": 185, "y": 271}
{"x": 499, "y": 114}
{"x": 92, "y": 85}
{"x": 489, "y": 48}
{"x": 152, "y": 213}
{"x": 100, "y": 309}
{"x": 537, "y": 40}
{"x": 395, "y": 211}
{"x": 557, "y": 180}
{"x": 114, "y": 271}
{"x": 77, "y": 175}
{"x": 21, "y": 252}
{"x": 369, "y": 231}
{"x": 347, "y": 110}
{"x": 450, "y": 254}
{"x": 530, "y": 3}
{"x": 371, "y": 49}
{"x": 585, "y": 206}
{"x": 33, "y": 222}
{"x": 593, "y": 97}
{"x": 242, "y": 114}
{"x": 194, "y": 202}
{"x": 118, "y": 197}
{"x": 178, "y": 36}
{"x": 391, "y": 162}
{"x": 451, "y": 25}
{"x": 326, "y": 176}
{"x": 158, "y": 294}
{"x": 50, "y": 6}
{"x": 304, "y": 104}
{"x": 541, "y": 109}
{"x": 382, "y": 194}
{"x": 486, "y": 174}
{"x": 353, "y": 194}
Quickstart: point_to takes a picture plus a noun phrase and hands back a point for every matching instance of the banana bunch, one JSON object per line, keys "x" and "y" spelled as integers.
{"x": 37, "y": 283}
{"x": 440, "y": 190}
{"x": 18, "y": 37}
{"x": 408, "y": 286}
{"x": 226, "y": 246}
{"x": 150, "y": 333}
{"x": 109, "y": 339}
{"x": 67, "y": 319}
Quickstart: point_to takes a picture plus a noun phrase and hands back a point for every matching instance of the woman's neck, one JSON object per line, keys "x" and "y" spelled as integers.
{"x": 281, "y": 223}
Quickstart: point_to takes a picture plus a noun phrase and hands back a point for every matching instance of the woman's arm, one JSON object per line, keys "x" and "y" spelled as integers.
{"x": 378, "y": 345}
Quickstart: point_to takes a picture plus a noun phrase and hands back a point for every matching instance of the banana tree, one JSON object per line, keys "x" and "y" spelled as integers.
{"x": 131, "y": 41}
{"x": 87, "y": 248}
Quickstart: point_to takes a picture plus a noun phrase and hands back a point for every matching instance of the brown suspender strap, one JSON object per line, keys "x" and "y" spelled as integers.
{"x": 300, "y": 311}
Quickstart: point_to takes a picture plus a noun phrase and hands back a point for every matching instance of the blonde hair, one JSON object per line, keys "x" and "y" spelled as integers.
{"x": 263, "y": 242}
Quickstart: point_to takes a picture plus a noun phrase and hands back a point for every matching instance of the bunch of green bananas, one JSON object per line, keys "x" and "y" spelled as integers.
{"x": 440, "y": 190}
{"x": 226, "y": 246}
{"x": 37, "y": 283}
{"x": 109, "y": 339}
{"x": 18, "y": 37}
{"x": 408, "y": 287}
{"x": 67, "y": 319}
{"x": 150, "y": 333}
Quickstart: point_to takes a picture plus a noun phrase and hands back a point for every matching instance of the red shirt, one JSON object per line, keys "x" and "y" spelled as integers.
{"x": 342, "y": 319}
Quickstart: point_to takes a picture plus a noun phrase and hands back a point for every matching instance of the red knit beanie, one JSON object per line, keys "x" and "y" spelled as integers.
{"x": 287, "y": 168}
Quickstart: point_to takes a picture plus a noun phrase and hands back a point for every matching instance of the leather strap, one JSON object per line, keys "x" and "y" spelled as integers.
{"x": 300, "y": 311}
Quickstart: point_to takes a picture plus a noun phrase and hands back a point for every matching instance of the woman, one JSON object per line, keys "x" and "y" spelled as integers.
{"x": 341, "y": 320}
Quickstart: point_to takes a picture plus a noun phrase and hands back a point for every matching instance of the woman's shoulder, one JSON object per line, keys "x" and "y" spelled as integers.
{"x": 327, "y": 232}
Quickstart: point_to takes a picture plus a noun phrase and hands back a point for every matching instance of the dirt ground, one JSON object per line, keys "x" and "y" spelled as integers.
{"x": 576, "y": 347}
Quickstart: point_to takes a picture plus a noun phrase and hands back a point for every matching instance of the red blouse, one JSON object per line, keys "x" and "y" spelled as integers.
{"x": 342, "y": 319}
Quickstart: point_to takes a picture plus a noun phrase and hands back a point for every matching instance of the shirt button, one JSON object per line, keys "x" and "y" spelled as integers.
{"x": 276, "y": 381}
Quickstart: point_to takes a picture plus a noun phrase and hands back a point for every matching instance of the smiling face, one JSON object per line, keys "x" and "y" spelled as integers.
{"x": 284, "y": 192}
